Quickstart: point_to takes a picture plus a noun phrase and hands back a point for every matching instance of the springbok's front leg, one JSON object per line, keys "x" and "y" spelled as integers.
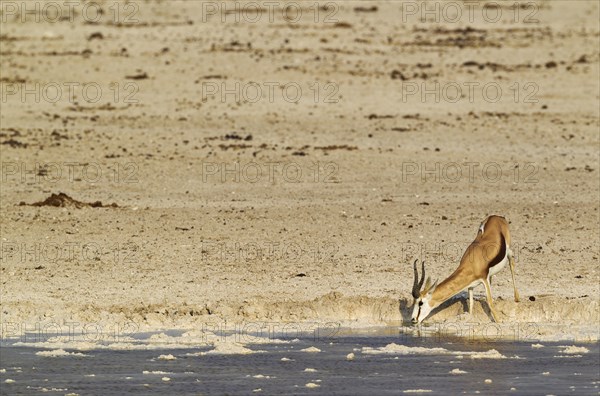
{"x": 488, "y": 291}
{"x": 471, "y": 301}
{"x": 511, "y": 262}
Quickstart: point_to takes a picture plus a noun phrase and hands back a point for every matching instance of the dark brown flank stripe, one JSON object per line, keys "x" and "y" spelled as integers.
{"x": 501, "y": 254}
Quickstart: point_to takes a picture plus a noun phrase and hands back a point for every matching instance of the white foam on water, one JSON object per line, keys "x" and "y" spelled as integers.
{"x": 188, "y": 340}
{"x": 574, "y": 350}
{"x": 491, "y": 354}
{"x": 311, "y": 349}
{"x": 457, "y": 371}
{"x": 227, "y": 348}
{"x": 60, "y": 353}
{"x": 396, "y": 349}
{"x": 166, "y": 357}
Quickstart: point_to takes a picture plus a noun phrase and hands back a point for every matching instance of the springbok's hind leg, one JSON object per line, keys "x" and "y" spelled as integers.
{"x": 511, "y": 262}
{"x": 488, "y": 291}
{"x": 471, "y": 301}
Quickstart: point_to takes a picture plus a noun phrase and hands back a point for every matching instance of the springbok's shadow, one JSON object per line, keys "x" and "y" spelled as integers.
{"x": 405, "y": 307}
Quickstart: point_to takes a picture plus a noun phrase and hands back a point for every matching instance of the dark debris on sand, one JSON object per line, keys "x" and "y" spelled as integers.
{"x": 62, "y": 200}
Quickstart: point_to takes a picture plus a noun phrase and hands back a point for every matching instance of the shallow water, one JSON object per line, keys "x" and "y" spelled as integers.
{"x": 525, "y": 369}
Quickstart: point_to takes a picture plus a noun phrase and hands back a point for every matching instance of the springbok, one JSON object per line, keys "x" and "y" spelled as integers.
{"x": 484, "y": 258}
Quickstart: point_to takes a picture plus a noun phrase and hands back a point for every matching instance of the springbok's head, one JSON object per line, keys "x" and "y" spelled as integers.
{"x": 422, "y": 298}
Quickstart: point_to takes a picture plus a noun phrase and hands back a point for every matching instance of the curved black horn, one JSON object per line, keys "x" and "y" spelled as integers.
{"x": 418, "y": 284}
{"x": 422, "y": 275}
{"x": 416, "y": 288}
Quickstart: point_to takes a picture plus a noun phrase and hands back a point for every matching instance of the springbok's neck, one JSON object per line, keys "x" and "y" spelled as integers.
{"x": 450, "y": 287}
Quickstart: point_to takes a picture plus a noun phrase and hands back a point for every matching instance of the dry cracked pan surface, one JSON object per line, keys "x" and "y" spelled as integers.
{"x": 296, "y": 208}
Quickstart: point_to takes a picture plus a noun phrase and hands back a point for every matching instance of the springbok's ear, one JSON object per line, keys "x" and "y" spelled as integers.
{"x": 427, "y": 284}
{"x": 432, "y": 289}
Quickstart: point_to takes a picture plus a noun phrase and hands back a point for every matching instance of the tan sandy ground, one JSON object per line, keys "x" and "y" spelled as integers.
{"x": 187, "y": 245}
